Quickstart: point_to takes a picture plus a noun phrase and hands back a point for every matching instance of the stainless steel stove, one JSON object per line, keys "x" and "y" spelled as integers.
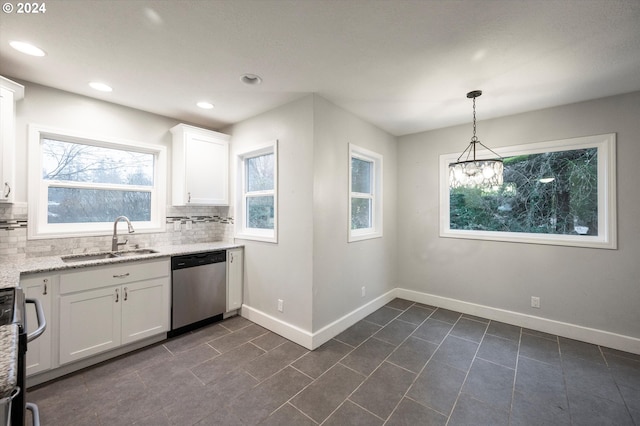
{"x": 12, "y": 311}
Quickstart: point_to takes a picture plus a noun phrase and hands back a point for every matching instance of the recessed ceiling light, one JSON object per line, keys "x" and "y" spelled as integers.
{"x": 251, "y": 79}
{"x": 27, "y": 48}
{"x": 205, "y": 105}
{"x": 100, "y": 86}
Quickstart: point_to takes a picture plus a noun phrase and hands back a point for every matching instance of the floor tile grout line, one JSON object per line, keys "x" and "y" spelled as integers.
{"x": 425, "y": 364}
{"x": 374, "y": 370}
{"x": 515, "y": 376}
{"x": 468, "y": 371}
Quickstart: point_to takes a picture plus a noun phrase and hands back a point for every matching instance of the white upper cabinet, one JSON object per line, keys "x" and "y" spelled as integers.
{"x": 200, "y": 167}
{"x": 10, "y": 93}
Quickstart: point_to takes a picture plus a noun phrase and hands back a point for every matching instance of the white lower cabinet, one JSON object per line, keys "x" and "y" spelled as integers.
{"x": 235, "y": 269}
{"x": 97, "y": 315}
{"x": 145, "y": 308}
{"x": 39, "y": 350}
{"x": 89, "y": 323}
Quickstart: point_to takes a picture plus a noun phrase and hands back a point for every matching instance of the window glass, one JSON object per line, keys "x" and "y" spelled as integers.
{"x": 360, "y": 213}
{"x": 67, "y": 161}
{"x": 260, "y": 212}
{"x": 76, "y": 205}
{"x": 260, "y": 173}
{"x": 361, "y": 175}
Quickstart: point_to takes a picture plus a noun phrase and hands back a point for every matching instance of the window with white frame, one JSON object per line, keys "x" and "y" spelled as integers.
{"x": 558, "y": 192}
{"x": 365, "y": 194}
{"x": 257, "y": 200}
{"x": 79, "y": 184}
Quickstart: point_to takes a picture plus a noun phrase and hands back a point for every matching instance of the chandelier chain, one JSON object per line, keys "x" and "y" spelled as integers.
{"x": 474, "y": 138}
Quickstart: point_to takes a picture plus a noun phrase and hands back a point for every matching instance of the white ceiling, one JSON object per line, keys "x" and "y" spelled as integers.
{"x": 402, "y": 65}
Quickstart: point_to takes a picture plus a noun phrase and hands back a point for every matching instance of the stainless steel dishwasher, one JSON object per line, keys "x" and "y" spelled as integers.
{"x": 198, "y": 290}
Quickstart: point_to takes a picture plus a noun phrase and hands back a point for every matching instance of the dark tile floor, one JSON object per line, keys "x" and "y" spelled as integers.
{"x": 405, "y": 364}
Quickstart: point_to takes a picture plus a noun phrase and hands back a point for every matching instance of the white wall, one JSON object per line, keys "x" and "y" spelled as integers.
{"x": 592, "y": 288}
{"x": 340, "y": 268}
{"x": 282, "y": 270}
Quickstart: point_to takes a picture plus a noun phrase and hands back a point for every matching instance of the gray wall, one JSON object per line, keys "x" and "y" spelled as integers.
{"x": 592, "y": 288}
{"x": 313, "y": 268}
{"x": 340, "y": 268}
{"x": 282, "y": 270}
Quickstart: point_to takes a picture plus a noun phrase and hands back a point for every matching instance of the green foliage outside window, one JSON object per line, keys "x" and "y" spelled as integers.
{"x": 550, "y": 193}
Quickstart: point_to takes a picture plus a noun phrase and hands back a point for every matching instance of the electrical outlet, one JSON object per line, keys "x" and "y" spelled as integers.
{"x": 535, "y": 302}
{"x": 363, "y": 291}
{"x": 176, "y": 225}
{"x": 189, "y": 225}
{"x": 280, "y": 305}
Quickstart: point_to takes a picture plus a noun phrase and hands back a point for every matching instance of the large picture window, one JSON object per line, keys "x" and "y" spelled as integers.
{"x": 79, "y": 184}
{"x": 365, "y": 194}
{"x": 559, "y": 192}
{"x": 257, "y": 198}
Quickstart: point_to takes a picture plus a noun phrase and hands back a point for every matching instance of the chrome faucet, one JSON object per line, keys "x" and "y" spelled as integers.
{"x": 114, "y": 240}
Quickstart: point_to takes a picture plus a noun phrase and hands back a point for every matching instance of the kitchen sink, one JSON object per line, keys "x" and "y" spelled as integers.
{"x": 137, "y": 252}
{"x": 105, "y": 255}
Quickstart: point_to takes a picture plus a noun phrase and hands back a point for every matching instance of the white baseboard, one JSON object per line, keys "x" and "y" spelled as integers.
{"x": 329, "y": 331}
{"x": 571, "y": 331}
{"x": 284, "y": 329}
{"x": 313, "y": 340}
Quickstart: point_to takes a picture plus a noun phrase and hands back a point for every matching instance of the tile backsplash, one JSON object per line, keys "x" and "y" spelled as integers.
{"x": 208, "y": 224}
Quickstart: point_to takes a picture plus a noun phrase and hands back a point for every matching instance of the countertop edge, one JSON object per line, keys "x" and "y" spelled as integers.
{"x": 10, "y": 273}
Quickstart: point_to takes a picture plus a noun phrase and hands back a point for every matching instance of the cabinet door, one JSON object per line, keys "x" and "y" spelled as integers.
{"x": 235, "y": 268}
{"x": 38, "y": 350}
{"x": 145, "y": 309}
{"x": 89, "y": 323}
{"x": 207, "y": 170}
{"x": 7, "y": 135}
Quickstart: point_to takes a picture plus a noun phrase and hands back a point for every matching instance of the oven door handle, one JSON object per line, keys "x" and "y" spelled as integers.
{"x": 42, "y": 322}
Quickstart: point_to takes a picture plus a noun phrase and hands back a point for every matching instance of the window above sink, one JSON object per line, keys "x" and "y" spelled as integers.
{"x": 79, "y": 183}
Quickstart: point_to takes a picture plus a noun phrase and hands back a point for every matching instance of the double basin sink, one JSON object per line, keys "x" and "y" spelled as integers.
{"x": 106, "y": 255}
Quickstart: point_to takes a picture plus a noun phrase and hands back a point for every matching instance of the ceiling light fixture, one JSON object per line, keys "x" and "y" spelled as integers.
{"x": 205, "y": 105}
{"x": 474, "y": 173}
{"x": 100, "y": 86}
{"x": 27, "y": 48}
{"x": 251, "y": 79}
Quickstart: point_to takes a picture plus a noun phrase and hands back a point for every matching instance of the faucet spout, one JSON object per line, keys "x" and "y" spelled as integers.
{"x": 114, "y": 239}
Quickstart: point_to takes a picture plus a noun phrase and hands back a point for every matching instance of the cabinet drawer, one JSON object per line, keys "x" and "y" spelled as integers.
{"x": 110, "y": 275}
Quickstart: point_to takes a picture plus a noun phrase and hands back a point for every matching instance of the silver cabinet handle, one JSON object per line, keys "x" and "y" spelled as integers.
{"x": 121, "y": 275}
{"x": 230, "y": 257}
{"x": 117, "y": 295}
{"x": 125, "y": 294}
{"x": 8, "y": 189}
{"x": 189, "y": 197}
{"x": 45, "y": 281}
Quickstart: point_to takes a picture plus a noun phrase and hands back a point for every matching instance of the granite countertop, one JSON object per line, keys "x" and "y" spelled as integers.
{"x": 10, "y": 273}
{"x": 8, "y": 359}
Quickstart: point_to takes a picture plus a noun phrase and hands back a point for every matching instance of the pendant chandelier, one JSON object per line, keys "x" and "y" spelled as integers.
{"x": 471, "y": 172}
